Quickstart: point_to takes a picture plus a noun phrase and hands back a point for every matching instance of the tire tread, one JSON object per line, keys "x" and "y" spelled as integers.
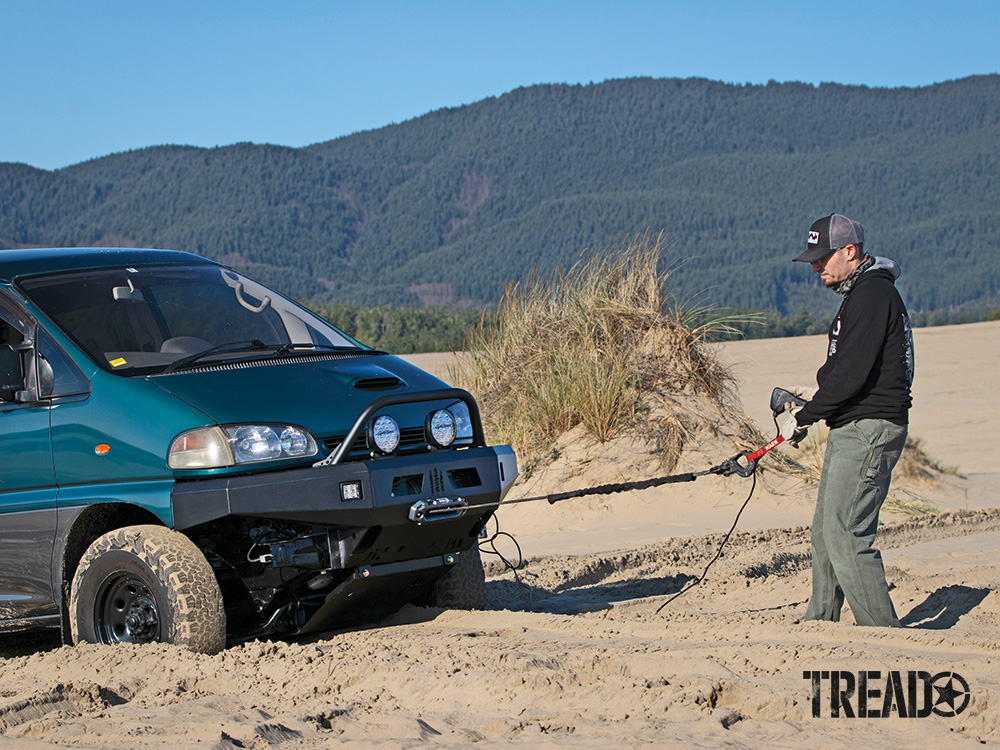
{"x": 464, "y": 586}
{"x": 198, "y": 616}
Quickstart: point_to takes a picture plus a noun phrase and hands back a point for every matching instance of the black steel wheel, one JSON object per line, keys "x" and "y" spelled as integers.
{"x": 147, "y": 584}
{"x": 125, "y": 610}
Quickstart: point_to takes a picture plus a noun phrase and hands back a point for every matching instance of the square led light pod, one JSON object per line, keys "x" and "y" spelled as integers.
{"x": 350, "y": 491}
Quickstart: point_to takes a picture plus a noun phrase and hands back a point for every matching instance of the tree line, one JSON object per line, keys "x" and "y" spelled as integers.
{"x": 401, "y": 330}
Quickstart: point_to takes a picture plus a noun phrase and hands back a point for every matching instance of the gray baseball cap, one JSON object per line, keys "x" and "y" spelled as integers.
{"x": 831, "y": 233}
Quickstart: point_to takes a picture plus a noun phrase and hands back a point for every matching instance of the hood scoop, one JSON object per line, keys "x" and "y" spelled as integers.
{"x": 387, "y": 383}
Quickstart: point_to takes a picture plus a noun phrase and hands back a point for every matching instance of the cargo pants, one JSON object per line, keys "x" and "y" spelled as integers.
{"x": 857, "y": 467}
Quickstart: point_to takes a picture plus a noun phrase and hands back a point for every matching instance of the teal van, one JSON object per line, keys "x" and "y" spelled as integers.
{"x": 191, "y": 458}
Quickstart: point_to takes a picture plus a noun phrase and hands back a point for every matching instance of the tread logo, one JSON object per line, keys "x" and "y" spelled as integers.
{"x": 867, "y": 695}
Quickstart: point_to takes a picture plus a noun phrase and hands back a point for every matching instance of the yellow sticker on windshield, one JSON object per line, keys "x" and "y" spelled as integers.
{"x": 118, "y": 362}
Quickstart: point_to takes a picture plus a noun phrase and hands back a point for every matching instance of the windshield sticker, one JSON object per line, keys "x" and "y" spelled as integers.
{"x": 117, "y": 362}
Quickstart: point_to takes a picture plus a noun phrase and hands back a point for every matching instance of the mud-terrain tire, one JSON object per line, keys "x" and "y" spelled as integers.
{"x": 464, "y": 585}
{"x": 145, "y": 584}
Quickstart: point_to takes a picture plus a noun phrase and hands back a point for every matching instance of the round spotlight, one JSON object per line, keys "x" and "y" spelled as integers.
{"x": 383, "y": 435}
{"x": 440, "y": 428}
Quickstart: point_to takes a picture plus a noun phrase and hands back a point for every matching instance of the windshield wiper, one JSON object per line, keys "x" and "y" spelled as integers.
{"x": 232, "y": 346}
{"x": 305, "y": 348}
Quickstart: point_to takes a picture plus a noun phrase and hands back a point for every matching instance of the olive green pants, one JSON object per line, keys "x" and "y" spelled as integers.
{"x": 857, "y": 467}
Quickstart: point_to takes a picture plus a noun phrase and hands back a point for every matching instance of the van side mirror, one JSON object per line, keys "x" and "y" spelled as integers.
{"x": 11, "y": 373}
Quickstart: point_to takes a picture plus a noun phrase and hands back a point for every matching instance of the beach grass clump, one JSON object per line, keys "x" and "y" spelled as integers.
{"x": 916, "y": 464}
{"x": 587, "y": 347}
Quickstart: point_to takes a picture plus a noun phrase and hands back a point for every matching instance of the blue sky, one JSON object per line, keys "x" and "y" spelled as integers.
{"x": 81, "y": 80}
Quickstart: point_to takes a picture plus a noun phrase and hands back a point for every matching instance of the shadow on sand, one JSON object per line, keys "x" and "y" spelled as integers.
{"x": 23, "y": 643}
{"x": 943, "y": 608}
{"x": 524, "y": 596}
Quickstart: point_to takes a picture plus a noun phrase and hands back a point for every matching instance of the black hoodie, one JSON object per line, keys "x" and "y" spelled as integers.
{"x": 869, "y": 363}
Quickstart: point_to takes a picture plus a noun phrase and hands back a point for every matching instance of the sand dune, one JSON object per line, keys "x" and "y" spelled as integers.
{"x": 573, "y": 652}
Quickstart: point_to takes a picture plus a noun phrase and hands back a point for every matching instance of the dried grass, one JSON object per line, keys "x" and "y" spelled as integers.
{"x": 590, "y": 347}
{"x": 916, "y": 465}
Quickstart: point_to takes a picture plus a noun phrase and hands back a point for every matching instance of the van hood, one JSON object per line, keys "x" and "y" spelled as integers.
{"x": 325, "y": 396}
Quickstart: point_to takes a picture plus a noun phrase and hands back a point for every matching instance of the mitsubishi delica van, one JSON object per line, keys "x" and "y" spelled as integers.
{"x": 188, "y": 457}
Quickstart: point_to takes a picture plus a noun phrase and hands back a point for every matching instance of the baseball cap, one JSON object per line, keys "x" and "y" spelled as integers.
{"x": 831, "y": 233}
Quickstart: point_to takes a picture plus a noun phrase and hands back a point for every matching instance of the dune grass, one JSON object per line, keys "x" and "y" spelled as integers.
{"x": 587, "y": 347}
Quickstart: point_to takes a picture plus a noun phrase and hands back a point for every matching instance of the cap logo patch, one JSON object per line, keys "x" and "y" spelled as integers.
{"x": 813, "y": 238}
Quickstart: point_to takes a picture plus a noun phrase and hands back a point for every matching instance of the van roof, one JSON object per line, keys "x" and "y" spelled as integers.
{"x": 14, "y": 263}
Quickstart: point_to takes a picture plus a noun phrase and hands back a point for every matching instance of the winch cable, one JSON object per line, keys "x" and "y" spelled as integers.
{"x": 726, "y": 468}
{"x": 781, "y": 400}
{"x": 492, "y": 550}
{"x": 718, "y": 552}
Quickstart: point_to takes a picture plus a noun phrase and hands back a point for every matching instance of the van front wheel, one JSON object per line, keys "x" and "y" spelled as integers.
{"x": 146, "y": 584}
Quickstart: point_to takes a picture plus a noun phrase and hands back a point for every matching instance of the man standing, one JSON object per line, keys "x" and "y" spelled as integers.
{"x": 864, "y": 396}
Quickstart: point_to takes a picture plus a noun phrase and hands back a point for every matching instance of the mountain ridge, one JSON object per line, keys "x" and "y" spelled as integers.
{"x": 449, "y": 206}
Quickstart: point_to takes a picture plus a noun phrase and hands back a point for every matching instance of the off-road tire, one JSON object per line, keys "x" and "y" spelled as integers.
{"x": 142, "y": 584}
{"x": 464, "y": 585}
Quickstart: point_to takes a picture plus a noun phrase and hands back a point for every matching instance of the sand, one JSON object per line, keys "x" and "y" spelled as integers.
{"x": 574, "y": 652}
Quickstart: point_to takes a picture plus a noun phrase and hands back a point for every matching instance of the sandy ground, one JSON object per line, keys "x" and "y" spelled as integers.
{"x": 574, "y": 652}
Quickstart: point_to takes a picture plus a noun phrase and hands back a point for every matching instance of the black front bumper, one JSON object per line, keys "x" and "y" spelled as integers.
{"x": 413, "y": 519}
{"x": 409, "y": 507}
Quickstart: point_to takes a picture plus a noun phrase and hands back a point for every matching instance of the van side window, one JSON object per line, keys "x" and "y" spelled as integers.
{"x": 11, "y": 361}
{"x": 57, "y": 373}
{"x": 9, "y": 334}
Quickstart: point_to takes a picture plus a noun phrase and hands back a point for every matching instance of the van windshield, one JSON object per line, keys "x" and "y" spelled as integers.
{"x": 146, "y": 320}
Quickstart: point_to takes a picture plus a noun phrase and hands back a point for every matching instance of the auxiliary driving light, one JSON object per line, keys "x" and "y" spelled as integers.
{"x": 383, "y": 435}
{"x": 440, "y": 428}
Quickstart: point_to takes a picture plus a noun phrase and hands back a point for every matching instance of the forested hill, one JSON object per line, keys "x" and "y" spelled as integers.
{"x": 445, "y": 208}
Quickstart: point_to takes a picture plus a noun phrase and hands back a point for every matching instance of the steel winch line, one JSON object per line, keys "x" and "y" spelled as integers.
{"x": 781, "y": 400}
{"x": 727, "y": 468}
{"x": 444, "y": 508}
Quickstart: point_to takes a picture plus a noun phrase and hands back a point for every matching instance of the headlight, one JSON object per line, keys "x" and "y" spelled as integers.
{"x": 463, "y": 421}
{"x": 230, "y": 445}
{"x": 440, "y": 428}
{"x": 204, "y": 448}
{"x": 253, "y": 442}
{"x": 383, "y": 435}
{"x": 296, "y": 442}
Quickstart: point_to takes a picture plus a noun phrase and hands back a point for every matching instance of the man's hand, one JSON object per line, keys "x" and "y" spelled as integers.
{"x": 805, "y": 392}
{"x": 791, "y": 431}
